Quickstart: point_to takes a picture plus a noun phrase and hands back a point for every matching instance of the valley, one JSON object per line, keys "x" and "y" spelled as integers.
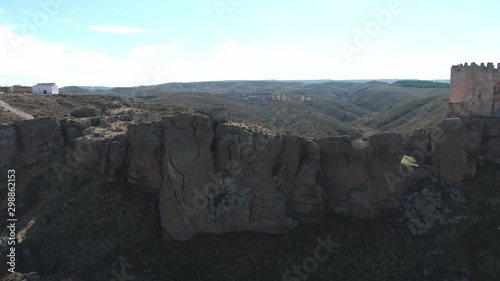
{"x": 333, "y": 109}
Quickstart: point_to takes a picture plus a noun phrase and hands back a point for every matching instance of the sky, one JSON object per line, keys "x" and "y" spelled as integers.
{"x": 131, "y": 43}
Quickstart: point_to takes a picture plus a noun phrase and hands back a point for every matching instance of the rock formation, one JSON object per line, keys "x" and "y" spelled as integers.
{"x": 39, "y": 139}
{"x": 449, "y": 151}
{"x": 216, "y": 177}
{"x": 361, "y": 181}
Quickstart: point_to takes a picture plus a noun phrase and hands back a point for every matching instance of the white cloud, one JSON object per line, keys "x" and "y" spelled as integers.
{"x": 36, "y": 60}
{"x": 118, "y": 29}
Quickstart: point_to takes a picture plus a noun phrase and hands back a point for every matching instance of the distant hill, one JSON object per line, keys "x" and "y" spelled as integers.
{"x": 377, "y": 96}
{"x": 73, "y": 90}
{"x": 421, "y": 84}
{"x": 94, "y": 88}
{"x": 332, "y": 107}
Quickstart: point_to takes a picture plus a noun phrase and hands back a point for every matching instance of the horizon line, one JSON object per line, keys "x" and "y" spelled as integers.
{"x": 263, "y": 80}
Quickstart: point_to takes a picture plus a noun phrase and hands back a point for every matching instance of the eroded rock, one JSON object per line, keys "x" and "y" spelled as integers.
{"x": 187, "y": 166}
{"x": 39, "y": 139}
{"x": 491, "y": 150}
{"x": 449, "y": 151}
{"x": 145, "y": 156}
{"x": 9, "y": 148}
{"x": 361, "y": 181}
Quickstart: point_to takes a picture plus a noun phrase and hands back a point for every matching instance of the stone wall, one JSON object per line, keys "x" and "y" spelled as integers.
{"x": 475, "y": 98}
{"x": 474, "y": 91}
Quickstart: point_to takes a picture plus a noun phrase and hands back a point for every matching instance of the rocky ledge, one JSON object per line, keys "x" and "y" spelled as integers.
{"x": 218, "y": 177}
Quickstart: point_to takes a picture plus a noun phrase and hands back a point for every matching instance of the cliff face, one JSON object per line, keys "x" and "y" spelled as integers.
{"x": 213, "y": 177}
{"x": 361, "y": 181}
{"x": 216, "y": 178}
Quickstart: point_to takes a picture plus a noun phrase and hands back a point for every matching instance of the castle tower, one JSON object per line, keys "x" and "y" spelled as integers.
{"x": 475, "y": 90}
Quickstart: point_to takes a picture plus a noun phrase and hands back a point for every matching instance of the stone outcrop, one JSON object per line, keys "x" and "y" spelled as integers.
{"x": 145, "y": 155}
{"x": 306, "y": 199}
{"x": 9, "y": 148}
{"x": 215, "y": 177}
{"x": 90, "y": 160}
{"x": 450, "y": 153}
{"x": 470, "y": 133}
{"x": 39, "y": 139}
{"x": 235, "y": 180}
{"x": 490, "y": 148}
{"x": 361, "y": 181}
{"x": 449, "y": 150}
{"x": 187, "y": 166}
{"x": 73, "y": 129}
{"x": 118, "y": 148}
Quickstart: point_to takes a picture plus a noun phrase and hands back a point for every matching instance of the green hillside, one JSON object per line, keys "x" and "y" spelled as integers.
{"x": 421, "y": 84}
{"x": 332, "y": 107}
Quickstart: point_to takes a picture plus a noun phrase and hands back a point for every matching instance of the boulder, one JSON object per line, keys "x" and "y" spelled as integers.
{"x": 418, "y": 146}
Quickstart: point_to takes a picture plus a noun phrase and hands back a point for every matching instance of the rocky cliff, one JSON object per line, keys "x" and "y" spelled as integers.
{"x": 214, "y": 177}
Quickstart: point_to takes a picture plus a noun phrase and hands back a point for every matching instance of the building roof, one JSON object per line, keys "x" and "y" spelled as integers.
{"x": 45, "y": 84}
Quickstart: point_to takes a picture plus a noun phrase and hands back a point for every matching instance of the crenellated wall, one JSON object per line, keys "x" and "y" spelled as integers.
{"x": 473, "y": 91}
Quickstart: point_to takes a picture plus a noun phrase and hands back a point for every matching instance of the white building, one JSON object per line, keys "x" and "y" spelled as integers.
{"x": 46, "y": 88}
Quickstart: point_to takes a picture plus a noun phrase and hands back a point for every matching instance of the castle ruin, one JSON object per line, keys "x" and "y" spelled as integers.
{"x": 475, "y": 90}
